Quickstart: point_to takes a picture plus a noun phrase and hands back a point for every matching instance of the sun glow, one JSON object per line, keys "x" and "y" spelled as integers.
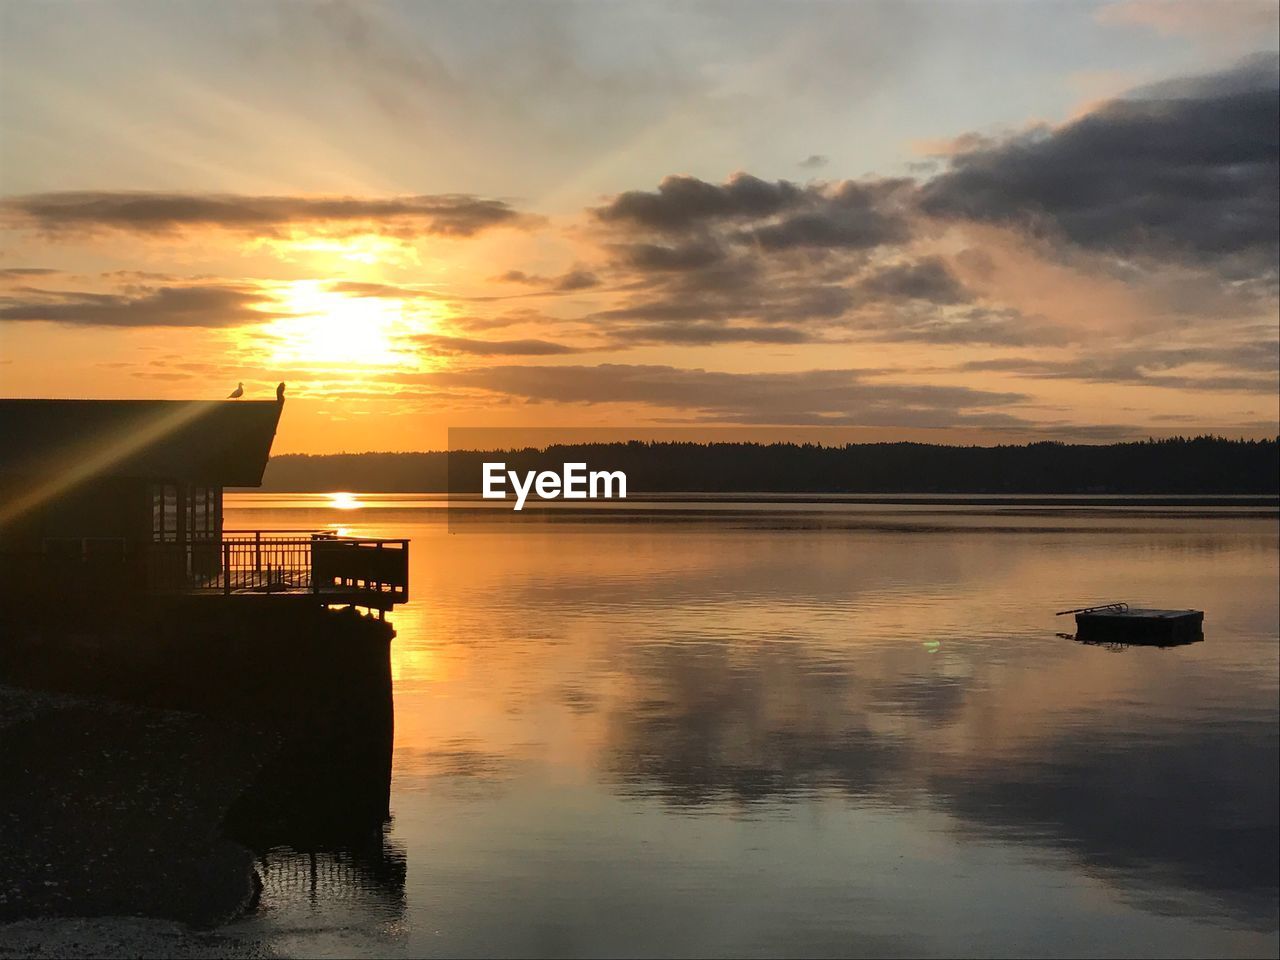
{"x": 368, "y": 249}
{"x": 344, "y": 501}
{"x": 328, "y": 327}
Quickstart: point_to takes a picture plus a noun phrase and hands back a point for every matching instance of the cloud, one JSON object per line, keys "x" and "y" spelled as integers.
{"x": 357, "y": 288}
{"x": 576, "y": 279}
{"x": 457, "y": 215}
{"x": 748, "y": 254}
{"x": 977, "y": 325}
{"x": 682, "y": 203}
{"x": 851, "y": 215}
{"x": 814, "y": 161}
{"x": 1150, "y": 211}
{"x": 659, "y": 257}
{"x": 493, "y": 348}
{"x": 209, "y": 305}
{"x": 928, "y": 279}
{"x": 1187, "y": 170}
{"x": 1200, "y": 19}
{"x": 1254, "y": 368}
{"x": 705, "y": 334}
{"x": 705, "y": 300}
{"x": 776, "y": 215}
{"x": 841, "y": 263}
{"x": 845, "y": 397}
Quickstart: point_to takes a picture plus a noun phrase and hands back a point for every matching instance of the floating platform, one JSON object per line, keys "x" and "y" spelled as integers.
{"x": 1122, "y": 624}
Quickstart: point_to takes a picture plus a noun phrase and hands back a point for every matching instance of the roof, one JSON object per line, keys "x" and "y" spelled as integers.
{"x": 219, "y": 443}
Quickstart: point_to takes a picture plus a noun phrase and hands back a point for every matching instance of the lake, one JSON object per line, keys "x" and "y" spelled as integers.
{"x": 818, "y": 728}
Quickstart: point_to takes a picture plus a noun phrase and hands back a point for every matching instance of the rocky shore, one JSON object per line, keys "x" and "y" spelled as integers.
{"x": 144, "y": 762}
{"x": 111, "y": 809}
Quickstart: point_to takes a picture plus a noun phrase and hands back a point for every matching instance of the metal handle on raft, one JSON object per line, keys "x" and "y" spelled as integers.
{"x": 1118, "y": 607}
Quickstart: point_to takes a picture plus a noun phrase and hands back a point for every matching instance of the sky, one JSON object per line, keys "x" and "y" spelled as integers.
{"x": 958, "y": 222}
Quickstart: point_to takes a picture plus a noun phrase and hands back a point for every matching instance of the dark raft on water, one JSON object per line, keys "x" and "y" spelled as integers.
{"x": 1118, "y": 623}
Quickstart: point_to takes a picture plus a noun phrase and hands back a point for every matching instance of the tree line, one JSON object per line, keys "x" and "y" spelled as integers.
{"x": 1178, "y": 465}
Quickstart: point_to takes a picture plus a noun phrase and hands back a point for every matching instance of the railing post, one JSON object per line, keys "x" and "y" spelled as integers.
{"x": 257, "y": 555}
{"x": 226, "y": 567}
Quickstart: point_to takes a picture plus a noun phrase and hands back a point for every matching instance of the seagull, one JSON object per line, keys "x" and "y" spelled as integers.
{"x": 280, "y": 393}
{"x": 237, "y": 393}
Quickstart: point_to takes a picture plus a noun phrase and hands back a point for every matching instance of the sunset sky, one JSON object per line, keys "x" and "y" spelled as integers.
{"x": 958, "y": 222}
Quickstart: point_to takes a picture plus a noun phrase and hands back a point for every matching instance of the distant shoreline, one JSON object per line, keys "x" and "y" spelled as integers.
{"x": 1181, "y": 467}
{"x": 1232, "y": 500}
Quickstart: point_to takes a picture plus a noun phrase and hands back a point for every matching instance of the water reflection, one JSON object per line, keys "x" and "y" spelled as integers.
{"x": 318, "y": 814}
{"x": 374, "y": 869}
{"x": 1182, "y": 820}
{"x": 853, "y": 735}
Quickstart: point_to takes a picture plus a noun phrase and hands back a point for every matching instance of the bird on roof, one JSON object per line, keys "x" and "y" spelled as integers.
{"x": 280, "y": 393}
{"x": 237, "y": 393}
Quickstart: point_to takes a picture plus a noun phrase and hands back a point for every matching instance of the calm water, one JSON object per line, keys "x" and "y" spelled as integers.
{"x": 836, "y": 731}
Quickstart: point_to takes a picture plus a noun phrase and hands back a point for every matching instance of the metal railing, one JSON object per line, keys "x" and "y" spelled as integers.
{"x": 370, "y": 565}
{"x": 241, "y": 561}
{"x": 265, "y": 563}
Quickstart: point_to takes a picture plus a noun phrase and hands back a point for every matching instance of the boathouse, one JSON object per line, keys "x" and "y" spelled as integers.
{"x": 125, "y": 497}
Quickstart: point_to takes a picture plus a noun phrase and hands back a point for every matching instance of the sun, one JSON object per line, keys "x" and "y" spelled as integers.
{"x": 329, "y": 327}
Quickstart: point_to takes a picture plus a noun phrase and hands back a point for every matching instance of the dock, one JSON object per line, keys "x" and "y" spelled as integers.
{"x": 1119, "y": 623}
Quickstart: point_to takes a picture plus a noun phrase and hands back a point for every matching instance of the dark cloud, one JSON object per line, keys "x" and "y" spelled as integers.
{"x": 1187, "y": 168}
{"x": 186, "y": 306}
{"x": 575, "y": 280}
{"x": 813, "y": 396}
{"x": 1184, "y": 169}
{"x": 493, "y": 348}
{"x": 660, "y": 257}
{"x": 822, "y": 230}
{"x": 776, "y": 216}
{"x": 749, "y": 253}
{"x": 853, "y": 215}
{"x": 20, "y": 273}
{"x": 161, "y": 213}
{"x": 928, "y": 279}
{"x": 682, "y": 203}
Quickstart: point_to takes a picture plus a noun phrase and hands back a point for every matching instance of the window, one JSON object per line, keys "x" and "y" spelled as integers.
{"x": 164, "y": 512}
{"x": 202, "y": 513}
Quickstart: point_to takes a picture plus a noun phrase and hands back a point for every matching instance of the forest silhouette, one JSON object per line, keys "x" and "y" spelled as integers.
{"x": 1179, "y": 465}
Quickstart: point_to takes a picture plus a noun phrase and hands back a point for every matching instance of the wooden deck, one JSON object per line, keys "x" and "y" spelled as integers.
{"x": 275, "y": 566}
